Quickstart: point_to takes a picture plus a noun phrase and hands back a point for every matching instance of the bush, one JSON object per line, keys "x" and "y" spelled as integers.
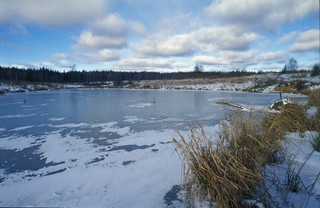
{"x": 315, "y": 70}
{"x": 292, "y": 117}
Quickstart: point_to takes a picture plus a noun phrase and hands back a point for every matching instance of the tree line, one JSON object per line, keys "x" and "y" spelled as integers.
{"x": 13, "y": 74}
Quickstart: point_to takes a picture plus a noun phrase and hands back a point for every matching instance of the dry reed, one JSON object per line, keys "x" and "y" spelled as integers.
{"x": 226, "y": 171}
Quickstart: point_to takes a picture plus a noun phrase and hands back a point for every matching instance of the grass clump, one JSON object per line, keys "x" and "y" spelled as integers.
{"x": 226, "y": 171}
{"x": 314, "y": 99}
{"x": 292, "y": 118}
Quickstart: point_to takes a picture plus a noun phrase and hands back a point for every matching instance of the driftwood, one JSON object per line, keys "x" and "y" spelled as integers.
{"x": 232, "y": 105}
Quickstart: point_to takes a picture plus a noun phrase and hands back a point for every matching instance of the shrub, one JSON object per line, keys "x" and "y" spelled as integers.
{"x": 315, "y": 70}
{"x": 292, "y": 117}
{"x": 314, "y": 99}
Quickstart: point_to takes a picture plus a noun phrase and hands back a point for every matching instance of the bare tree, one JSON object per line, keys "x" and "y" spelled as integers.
{"x": 198, "y": 68}
{"x": 291, "y": 66}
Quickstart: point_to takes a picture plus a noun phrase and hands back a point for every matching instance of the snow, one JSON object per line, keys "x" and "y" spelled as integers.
{"x": 105, "y": 183}
{"x": 56, "y": 119}
{"x": 22, "y": 128}
{"x": 93, "y": 175}
{"x": 303, "y": 161}
{"x": 140, "y": 105}
{"x": 17, "y": 116}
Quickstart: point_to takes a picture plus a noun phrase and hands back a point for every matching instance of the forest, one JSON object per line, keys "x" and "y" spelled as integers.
{"x": 13, "y": 74}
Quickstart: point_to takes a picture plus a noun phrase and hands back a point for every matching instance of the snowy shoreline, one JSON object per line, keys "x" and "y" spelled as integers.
{"x": 254, "y": 83}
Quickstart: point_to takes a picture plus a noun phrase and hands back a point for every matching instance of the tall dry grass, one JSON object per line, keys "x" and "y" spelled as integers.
{"x": 227, "y": 171}
{"x": 292, "y": 118}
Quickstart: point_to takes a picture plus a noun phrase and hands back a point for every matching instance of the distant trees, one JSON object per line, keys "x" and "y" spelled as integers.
{"x": 291, "y": 66}
{"x": 198, "y": 68}
{"x": 13, "y": 74}
{"x": 315, "y": 70}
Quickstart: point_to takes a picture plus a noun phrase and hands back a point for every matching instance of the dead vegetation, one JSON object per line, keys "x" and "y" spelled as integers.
{"x": 227, "y": 171}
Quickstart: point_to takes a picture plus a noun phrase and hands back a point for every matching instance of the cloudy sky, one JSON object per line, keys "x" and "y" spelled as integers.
{"x": 159, "y": 35}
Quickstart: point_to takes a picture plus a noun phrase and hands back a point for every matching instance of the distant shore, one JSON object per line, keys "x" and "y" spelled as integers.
{"x": 271, "y": 82}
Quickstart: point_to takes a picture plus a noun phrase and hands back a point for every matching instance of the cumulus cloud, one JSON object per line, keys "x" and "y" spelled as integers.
{"x": 238, "y": 59}
{"x": 144, "y": 64}
{"x": 224, "y": 38}
{"x": 272, "y": 57}
{"x": 306, "y": 41}
{"x": 210, "y": 60}
{"x": 111, "y": 25}
{"x": 104, "y": 55}
{"x": 51, "y": 12}
{"x": 263, "y": 14}
{"x": 88, "y": 39}
{"x": 177, "y": 45}
{"x": 205, "y": 39}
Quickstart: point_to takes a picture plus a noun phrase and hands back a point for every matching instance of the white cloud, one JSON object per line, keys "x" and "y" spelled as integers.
{"x": 242, "y": 58}
{"x": 307, "y": 41}
{"x": 111, "y": 25}
{"x": 263, "y": 14}
{"x": 144, "y": 64}
{"x": 210, "y": 60}
{"x": 224, "y": 38}
{"x": 60, "y": 60}
{"x": 88, "y": 39}
{"x": 272, "y": 57}
{"x": 104, "y": 55}
{"x": 205, "y": 39}
{"x": 177, "y": 45}
{"x": 51, "y": 12}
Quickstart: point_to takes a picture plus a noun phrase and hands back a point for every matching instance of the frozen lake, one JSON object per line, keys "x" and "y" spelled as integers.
{"x": 103, "y": 147}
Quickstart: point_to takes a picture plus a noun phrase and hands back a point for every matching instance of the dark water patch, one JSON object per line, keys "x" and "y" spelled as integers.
{"x": 155, "y": 150}
{"x": 169, "y": 142}
{"x": 55, "y": 172}
{"x": 13, "y": 161}
{"x": 97, "y": 159}
{"x": 2, "y": 179}
{"x": 130, "y": 148}
{"x": 128, "y": 162}
{"x": 103, "y": 142}
{"x": 172, "y": 195}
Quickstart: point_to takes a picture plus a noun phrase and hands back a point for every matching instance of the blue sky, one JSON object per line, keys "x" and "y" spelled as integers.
{"x": 159, "y": 35}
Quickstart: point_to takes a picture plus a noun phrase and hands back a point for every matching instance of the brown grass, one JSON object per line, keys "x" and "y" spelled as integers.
{"x": 314, "y": 98}
{"x": 292, "y": 118}
{"x": 226, "y": 171}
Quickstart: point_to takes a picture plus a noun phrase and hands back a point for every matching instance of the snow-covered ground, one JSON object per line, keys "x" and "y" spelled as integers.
{"x": 302, "y": 167}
